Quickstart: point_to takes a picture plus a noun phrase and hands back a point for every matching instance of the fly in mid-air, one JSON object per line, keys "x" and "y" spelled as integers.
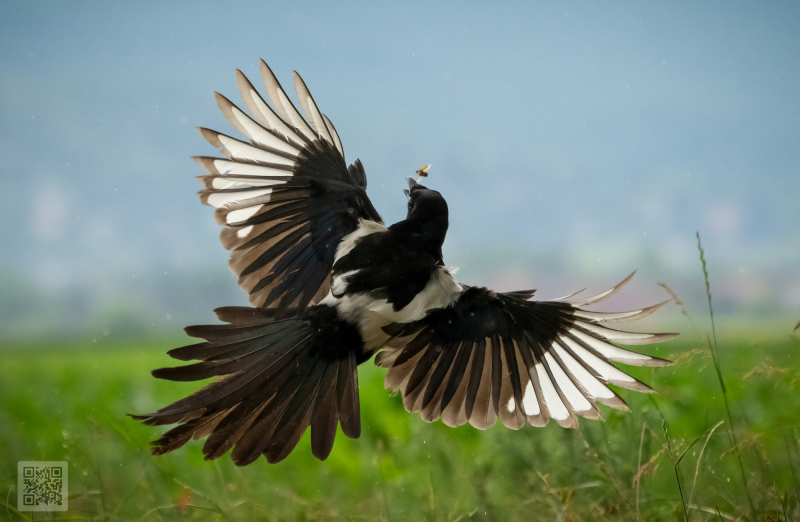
{"x": 331, "y": 286}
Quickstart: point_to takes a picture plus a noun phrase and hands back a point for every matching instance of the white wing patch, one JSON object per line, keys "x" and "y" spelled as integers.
{"x": 339, "y": 285}
{"x": 365, "y": 228}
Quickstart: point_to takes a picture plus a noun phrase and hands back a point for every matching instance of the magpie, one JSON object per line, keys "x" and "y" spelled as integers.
{"x": 331, "y": 286}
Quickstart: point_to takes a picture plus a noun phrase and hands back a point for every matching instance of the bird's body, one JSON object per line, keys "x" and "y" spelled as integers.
{"x": 332, "y": 286}
{"x": 384, "y": 275}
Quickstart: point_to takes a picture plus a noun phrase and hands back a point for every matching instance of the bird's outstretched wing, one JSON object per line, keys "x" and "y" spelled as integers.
{"x": 493, "y": 355}
{"x": 286, "y": 198}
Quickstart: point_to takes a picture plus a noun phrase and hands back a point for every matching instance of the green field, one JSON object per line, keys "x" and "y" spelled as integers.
{"x": 69, "y": 403}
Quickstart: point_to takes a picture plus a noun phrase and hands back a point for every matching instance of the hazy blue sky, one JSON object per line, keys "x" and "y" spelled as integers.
{"x": 574, "y": 141}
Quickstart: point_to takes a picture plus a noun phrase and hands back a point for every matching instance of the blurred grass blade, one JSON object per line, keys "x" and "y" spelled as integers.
{"x": 639, "y": 471}
{"x": 675, "y": 467}
{"x": 694, "y": 441}
{"x": 700, "y": 458}
{"x": 713, "y": 348}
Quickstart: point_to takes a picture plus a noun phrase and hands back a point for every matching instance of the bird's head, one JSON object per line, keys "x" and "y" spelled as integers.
{"x": 427, "y": 221}
{"x": 424, "y": 204}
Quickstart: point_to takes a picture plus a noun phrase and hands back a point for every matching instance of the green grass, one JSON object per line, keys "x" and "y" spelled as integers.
{"x": 69, "y": 403}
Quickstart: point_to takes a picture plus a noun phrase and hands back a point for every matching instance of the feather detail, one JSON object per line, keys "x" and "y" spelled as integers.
{"x": 311, "y": 110}
{"x": 276, "y": 378}
{"x": 283, "y": 105}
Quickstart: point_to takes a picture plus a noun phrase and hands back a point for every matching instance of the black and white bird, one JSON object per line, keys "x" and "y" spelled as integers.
{"x": 331, "y": 286}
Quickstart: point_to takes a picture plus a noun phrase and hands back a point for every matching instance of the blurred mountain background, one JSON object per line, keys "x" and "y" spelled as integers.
{"x": 574, "y": 143}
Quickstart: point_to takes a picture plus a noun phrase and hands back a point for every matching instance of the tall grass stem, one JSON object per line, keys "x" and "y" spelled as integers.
{"x": 714, "y": 356}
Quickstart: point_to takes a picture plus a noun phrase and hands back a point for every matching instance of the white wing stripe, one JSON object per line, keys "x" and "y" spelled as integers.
{"x": 244, "y": 231}
{"x": 605, "y": 370}
{"x": 618, "y": 317}
{"x": 282, "y": 103}
{"x": 571, "y": 393}
{"x": 529, "y": 401}
{"x": 241, "y": 215}
{"x": 511, "y": 405}
{"x": 615, "y": 335}
{"x": 220, "y": 199}
{"x": 239, "y": 149}
{"x": 557, "y": 409}
{"x": 609, "y": 351}
{"x": 226, "y": 166}
{"x": 261, "y": 110}
{"x": 294, "y": 117}
{"x": 310, "y": 108}
{"x": 233, "y": 183}
{"x": 259, "y": 135}
{"x": 272, "y": 86}
{"x": 247, "y": 126}
{"x": 603, "y": 317}
{"x": 587, "y": 380}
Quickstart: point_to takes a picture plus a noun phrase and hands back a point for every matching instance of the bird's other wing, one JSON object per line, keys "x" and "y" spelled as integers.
{"x": 491, "y": 355}
{"x": 285, "y": 197}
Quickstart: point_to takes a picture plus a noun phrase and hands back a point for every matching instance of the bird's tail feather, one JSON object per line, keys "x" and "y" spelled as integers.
{"x": 274, "y": 379}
